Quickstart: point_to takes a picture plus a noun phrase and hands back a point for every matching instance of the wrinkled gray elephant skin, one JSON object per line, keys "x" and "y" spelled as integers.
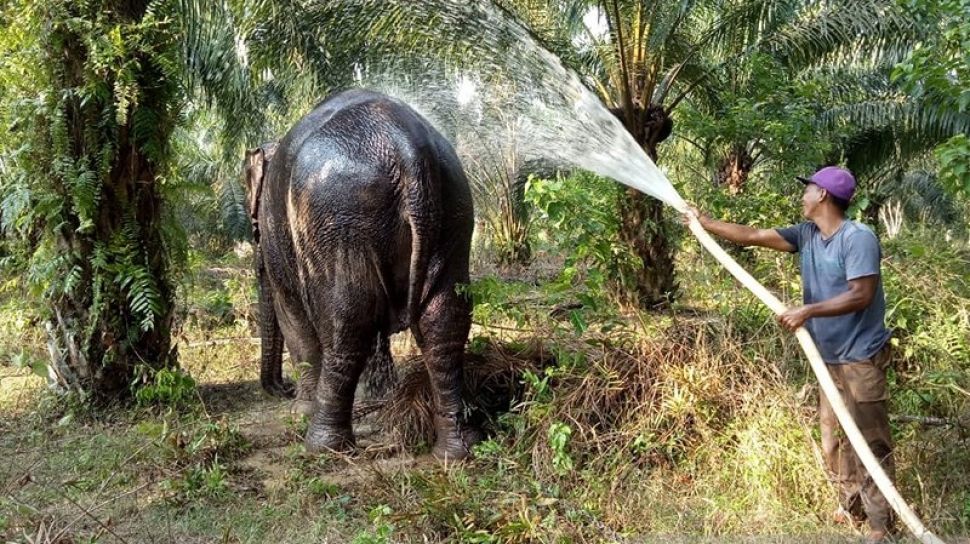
{"x": 363, "y": 220}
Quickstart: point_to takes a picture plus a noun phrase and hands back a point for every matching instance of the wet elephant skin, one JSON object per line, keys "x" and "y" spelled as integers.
{"x": 363, "y": 219}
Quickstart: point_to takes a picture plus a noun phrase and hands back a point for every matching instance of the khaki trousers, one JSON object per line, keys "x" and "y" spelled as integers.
{"x": 863, "y": 388}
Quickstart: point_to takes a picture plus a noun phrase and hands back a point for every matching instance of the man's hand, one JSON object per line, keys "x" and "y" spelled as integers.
{"x": 794, "y": 318}
{"x": 692, "y": 213}
{"x": 739, "y": 234}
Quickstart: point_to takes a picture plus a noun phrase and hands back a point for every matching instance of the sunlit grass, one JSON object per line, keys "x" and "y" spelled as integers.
{"x": 698, "y": 422}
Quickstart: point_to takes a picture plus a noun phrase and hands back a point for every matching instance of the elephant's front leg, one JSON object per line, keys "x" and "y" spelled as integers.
{"x": 271, "y": 339}
{"x": 444, "y": 330}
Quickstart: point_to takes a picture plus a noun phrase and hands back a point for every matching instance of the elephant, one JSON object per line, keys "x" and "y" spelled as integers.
{"x": 362, "y": 217}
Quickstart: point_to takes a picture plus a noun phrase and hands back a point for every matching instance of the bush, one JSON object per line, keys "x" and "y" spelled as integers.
{"x": 580, "y": 213}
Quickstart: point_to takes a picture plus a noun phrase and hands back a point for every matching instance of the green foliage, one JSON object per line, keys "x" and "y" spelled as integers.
{"x": 926, "y": 288}
{"x": 954, "y": 163}
{"x": 323, "y": 488}
{"x": 759, "y": 116}
{"x": 25, "y": 359}
{"x": 165, "y": 387}
{"x": 382, "y": 528}
{"x": 494, "y": 300}
{"x": 211, "y": 202}
{"x": 580, "y": 213}
{"x": 200, "y": 482}
{"x": 495, "y": 169}
{"x": 940, "y": 66}
{"x": 538, "y": 385}
{"x": 88, "y": 149}
{"x": 770, "y": 200}
{"x": 559, "y": 434}
{"x": 129, "y": 270}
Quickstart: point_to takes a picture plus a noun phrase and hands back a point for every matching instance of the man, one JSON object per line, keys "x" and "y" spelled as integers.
{"x": 844, "y": 310}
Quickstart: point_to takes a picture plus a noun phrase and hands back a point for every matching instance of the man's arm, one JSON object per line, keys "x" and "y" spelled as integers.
{"x": 859, "y": 296}
{"x": 743, "y": 234}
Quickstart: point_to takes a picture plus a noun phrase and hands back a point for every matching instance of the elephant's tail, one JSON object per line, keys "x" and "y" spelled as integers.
{"x": 422, "y": 195}
{"x": 418, "y": 275}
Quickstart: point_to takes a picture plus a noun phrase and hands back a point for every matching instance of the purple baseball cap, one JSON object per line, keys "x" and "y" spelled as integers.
{"x": 839, "y": 182}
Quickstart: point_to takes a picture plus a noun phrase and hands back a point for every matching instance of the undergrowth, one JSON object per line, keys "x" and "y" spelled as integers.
{"x": 602, "y": 425}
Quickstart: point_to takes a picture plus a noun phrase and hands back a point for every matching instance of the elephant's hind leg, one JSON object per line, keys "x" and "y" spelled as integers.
{"x": 444, "y": 329}
{"x": 352, "y": 343}
{"x": 306, "y": 355}
{"x": 303, "y": 342}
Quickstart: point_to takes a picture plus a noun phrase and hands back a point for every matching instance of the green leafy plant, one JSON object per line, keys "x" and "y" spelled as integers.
{"x": 579, "y": 213}
{"x": 167, "y": 387}
{"x": 204, "y": 481}
{"x": 954, "y": 163}
{"x": 382, "y": 527}
{"x": 558, "y": 435}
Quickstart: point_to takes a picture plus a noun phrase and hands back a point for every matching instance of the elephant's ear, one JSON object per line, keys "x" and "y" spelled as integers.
{"x": 254, "y": 171}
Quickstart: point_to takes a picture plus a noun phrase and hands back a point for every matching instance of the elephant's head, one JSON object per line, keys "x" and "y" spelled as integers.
{"x": 254, "y": 172}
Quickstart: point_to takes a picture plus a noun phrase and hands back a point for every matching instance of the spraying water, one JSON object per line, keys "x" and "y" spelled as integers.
{"x": 506, "y": 78}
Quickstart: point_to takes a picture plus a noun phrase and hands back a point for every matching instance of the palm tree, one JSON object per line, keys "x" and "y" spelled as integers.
{"x": 842, "y": 55}
{"x": 657, "y": 57}
{"x": 643, "y": 67}
{"x": 92, "y": 161}
{"x": 888, "y": 140}
{"x": 93, "y": 144}
{"x": 210, "y": 201}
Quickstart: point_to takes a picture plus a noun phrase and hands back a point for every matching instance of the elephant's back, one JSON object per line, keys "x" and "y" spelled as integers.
{"x": 354, "y": 151}
{"x": 348, "y": 159}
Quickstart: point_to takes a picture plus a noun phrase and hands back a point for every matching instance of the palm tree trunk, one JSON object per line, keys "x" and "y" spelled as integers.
{"x": 113, "y": 312}
{"x": 642, "y": 227}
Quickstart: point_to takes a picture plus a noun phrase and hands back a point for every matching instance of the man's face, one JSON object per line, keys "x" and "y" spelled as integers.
{"x": 812, "y": 199}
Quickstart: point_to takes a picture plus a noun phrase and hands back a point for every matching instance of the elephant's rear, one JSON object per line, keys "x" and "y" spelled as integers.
{"x": 368, "y": 219}
{"x": 378, "y": 203}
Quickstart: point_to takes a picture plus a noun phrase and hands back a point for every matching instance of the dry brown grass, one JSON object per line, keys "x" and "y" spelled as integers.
{"x": 492, "y": 382}
{"x": 675, "y": 429}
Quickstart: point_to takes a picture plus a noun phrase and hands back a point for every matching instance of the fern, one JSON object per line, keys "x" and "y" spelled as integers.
{"x": 134, "y": 278}
{"x": 72, "y": 279}
{"x": 13, "y": 206}
{"x": 85, "y": 190}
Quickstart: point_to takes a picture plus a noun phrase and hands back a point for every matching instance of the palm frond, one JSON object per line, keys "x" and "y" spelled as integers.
{"x": 924, "y": 197}
{"x": 216, "y": 62}
{"x": 925, "y": 124}
{"x": 919, "y": 191}
{"x": 843, "y": 31}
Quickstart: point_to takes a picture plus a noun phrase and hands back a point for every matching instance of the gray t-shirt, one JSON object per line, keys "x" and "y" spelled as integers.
{"x": 827, "y": 265}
